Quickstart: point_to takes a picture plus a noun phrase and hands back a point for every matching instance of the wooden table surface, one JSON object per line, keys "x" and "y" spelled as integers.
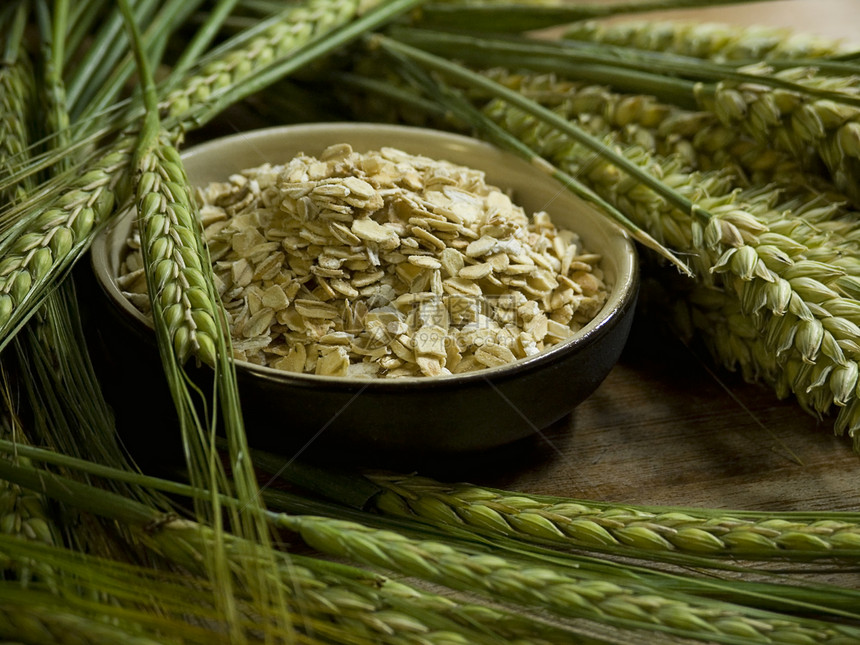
{"x": 666, "y": 426}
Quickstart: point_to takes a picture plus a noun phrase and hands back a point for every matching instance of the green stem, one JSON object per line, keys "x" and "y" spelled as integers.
{"x": 61, "y": 18}
{"x": 615, "y": 65}
{"x": 149, "y": 130}
{"x": 101, "y": 55}
{"x": 82, "y": 16}
{"x": 330, "y": 42}
{"x": 56, "y": 132}
{"x": 15, "y": 34}
{"x": 79, "y": 495}
{"x": 570, "y": 129}
{"x": 345, "y": 487}
{"x": 831, "y": 65}
{"x": 204, "y": 36}
{"x": 670, "y": 76}
{"x": 155, "y": 38}
{"x": 780, "y": 597}
{"x": 296, "y": 503}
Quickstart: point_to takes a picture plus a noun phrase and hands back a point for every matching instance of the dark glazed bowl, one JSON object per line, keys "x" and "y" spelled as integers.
{"x": 446, "y": 414}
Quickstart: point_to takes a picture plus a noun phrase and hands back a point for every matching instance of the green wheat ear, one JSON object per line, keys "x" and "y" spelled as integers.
{"x": 170, "y": 240}
{"x": 573, "y": 592}
{"x": 713, "y": 41}
{"x": 795, "y": 122}
{"x": 578, "y": 523}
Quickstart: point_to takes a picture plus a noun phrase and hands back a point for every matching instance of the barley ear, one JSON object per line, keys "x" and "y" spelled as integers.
{"x": 714, "y": 41}
{"x": 33, "y": 617}
{"x": 172, "y": 246}
{"x": 52, "y": 87}
{"x": 819, "y": 121}
{"x": 607, "y": 527}
{"x": 568, "y": 592}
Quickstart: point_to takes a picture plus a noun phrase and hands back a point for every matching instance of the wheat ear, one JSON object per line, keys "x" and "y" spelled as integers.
{"x": 587, "y": 524}
{"x": 37, "y": 619}
{"x": 742, "y": 244}
{"x": 567, "y": 592}
{"x": 810, "y": 232}
{"x": 696, "y": 138}
{"x": 167, "y": 225}
{"x": 714, "y": 41}
{"x": 293, "y": 28}
{"x": 794, "y": 121}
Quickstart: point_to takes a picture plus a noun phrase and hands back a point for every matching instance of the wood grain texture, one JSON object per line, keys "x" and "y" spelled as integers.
{"x": 668, "y": 428}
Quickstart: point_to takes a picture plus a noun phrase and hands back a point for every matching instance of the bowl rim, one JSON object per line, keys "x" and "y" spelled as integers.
{"x": 622, "y": 293}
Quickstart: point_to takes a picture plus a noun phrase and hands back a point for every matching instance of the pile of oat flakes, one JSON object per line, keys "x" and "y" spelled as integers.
{"x": 385, "y": 264}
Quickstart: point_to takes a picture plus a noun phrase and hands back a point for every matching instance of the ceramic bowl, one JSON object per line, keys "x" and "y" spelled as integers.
{"x": 445, "y": 414}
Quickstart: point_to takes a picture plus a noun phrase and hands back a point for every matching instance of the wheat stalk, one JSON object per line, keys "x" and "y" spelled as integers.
{"x": 568, "y": 592}
{"x": 186, "y": 543}
{"x": 586, "y": 524}
{"x": 188, "y": 319}
{"x": 811, "y": 240}
{"x": 395, "y": 607}
{"x": 140, "y": 600}
{"x": 17, "y": 93}
{"x": 368, "y": 603}
{"x": 806, "y": 207}
{"x": 318, "y": 589}
{"x": 798, "y": 106}
{"x": 293, "y": 28}
{"x": 696, "y": 138}
{"x": 36, "y": 619}
{"x": 354, "y": 599}
{"x": 359, "y": 602}
{"x": 707, "y": 40}
{"x": 22, "y": 513}
{"x": 34, "y": 256}
{"x": 171, "y": 243}
{"x": 518, "y": 17}
{"x": 364, "y": 604}
{"x": 52, "y": 87}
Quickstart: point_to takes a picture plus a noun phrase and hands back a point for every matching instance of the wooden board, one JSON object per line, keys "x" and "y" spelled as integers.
{"x": 668, "y": 428}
